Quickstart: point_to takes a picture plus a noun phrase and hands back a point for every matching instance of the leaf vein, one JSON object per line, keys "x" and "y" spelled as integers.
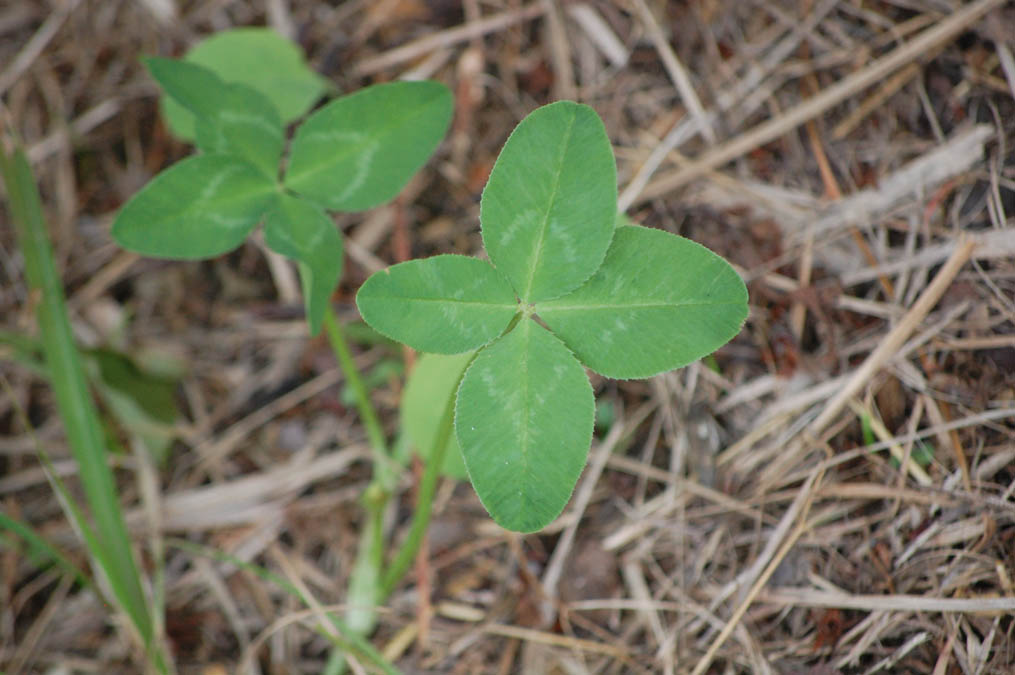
{"x": 546, "y": 217}
{"x": 627, "y": 305}
{"x": 510, "y": 305}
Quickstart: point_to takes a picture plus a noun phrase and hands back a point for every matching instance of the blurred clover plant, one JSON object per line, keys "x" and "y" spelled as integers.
{"x": 234, "y": 94}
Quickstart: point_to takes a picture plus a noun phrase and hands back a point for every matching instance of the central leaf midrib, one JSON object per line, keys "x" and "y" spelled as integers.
{"x": 629, "y": 305}
{"x": 526, "y": 465}
{"x": 546, "y": 217}
{"x": 312, "y": 169}
{"x": 512, "y": 304}
{"x": 219, "y": 200}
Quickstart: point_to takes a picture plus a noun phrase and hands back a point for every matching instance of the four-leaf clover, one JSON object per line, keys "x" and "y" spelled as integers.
{"x": 564, "y": 287}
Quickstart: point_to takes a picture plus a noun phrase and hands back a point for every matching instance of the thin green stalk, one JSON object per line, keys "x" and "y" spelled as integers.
{"x": 364, "y": 582}
{"x": 37, "y": 545}
{"x": 111, "y": 552}
{"x": 367, "y": 587}
{"x": 363, "y": 594}
{"x": 364, "y": 590}
{"x": 424, "y": 503}
{"x": 41, "y": 551}
{"x": 367, "y": 413}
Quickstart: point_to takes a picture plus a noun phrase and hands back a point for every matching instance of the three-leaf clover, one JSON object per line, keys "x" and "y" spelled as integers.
{"x": 354, "y": 153}
{"x": 564, "y": 287}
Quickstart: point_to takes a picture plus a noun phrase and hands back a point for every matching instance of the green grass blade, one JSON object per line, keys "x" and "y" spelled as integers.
{"x": 111, "y": 548}
{"x": 40, "y": 550}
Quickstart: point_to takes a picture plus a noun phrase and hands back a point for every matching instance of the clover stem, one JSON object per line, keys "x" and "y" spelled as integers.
{"x": 367, "y": 413}
{"x": 424, "y": 502}
{"x": 364, "y": 591}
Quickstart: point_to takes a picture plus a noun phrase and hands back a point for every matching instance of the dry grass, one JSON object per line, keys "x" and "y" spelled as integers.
{"x": 854, "y": 159}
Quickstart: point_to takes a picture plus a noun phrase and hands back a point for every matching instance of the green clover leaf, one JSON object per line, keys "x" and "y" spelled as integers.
{"x": 200, "y": 207}
{"x": 658, "y": 303}
{"x": 446, "y": 304}
{"x": 625, "y": 301}
{"x": 361, "y": 149}
{"x": 548, "y": 210}
{"x": 230, "y": 119}
{"x": 524, "y": 421}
